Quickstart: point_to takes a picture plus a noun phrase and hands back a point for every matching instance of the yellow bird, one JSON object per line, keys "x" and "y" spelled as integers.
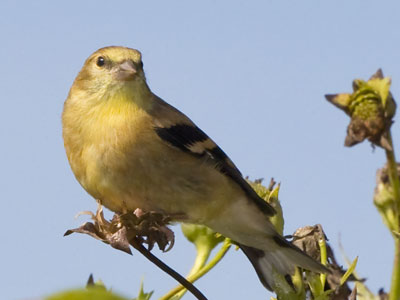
{"x": 130, "y": 149}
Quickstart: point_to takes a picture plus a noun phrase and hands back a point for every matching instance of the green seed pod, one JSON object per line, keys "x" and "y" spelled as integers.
{"x": 384, "y": 199}
{"x": 371, "y": 108}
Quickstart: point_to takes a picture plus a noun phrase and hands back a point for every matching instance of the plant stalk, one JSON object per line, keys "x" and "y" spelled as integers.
{"x": 324, "y": 259}
{"x": 395, "y": 285}
{"x": 193, "y": 277}
{"x": 395, "y": 182}
{"x": 150, "y": 256}
{"x": 203, "y": 253}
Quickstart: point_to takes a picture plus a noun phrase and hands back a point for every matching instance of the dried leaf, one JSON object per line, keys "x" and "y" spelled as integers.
{"x": 342, "y": 101}
{"x": 307, "y": 238}
{"x": 119, "y": 240}
{"x": 353, "y": 295}
{"x": 383, "y": 295}
{"x": 90, "y": 281}
{"x": 145, "y": 227}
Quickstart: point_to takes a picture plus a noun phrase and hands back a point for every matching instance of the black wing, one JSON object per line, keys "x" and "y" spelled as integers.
{"x": 189, "y": 138}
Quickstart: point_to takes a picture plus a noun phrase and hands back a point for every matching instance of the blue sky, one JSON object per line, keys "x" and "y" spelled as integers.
{"x": 252, "y": 75}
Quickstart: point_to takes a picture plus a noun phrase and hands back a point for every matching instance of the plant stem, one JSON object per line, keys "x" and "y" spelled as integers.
{"x": 393, "y": 174}
{"x": 395, "y": 286}
{"x": 203, "y": 253}
{"x": 324, "y": 259}
{"x": 192, "y": 278}
{"x": 188, "y": 285}
{"x": 395, "y": 182}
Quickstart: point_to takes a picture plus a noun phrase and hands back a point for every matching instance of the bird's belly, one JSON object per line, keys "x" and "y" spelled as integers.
{"x": 153, "y": 181}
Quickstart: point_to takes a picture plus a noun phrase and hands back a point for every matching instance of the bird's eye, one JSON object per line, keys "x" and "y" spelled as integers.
{"x": 100, "y": 61}
{"x": 141, "y": 64}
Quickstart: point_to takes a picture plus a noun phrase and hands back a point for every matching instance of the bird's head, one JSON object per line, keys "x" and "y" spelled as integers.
{"x": 112, "y": 68}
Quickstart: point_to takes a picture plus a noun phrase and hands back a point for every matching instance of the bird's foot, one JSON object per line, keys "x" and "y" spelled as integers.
{"x": 150, "y": 228}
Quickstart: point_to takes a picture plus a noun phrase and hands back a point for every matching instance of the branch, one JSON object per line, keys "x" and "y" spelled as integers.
{"x": 151, "y": 257}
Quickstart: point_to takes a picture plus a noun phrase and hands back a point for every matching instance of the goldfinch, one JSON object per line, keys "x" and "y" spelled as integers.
{"x": 130, "y": 149}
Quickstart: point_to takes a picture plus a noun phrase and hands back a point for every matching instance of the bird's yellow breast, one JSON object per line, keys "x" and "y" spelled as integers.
{"x": 99, "y": 140}
{"x": 118, "y": 158}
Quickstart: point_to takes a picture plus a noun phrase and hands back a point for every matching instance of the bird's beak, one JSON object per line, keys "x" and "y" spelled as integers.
{"x": 125, "y": 71}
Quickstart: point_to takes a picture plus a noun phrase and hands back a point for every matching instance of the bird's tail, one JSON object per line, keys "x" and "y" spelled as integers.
{"x": 282, "y": 260}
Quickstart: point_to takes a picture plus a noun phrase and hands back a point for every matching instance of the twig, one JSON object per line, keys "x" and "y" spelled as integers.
{"x": 189, "y": 286}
